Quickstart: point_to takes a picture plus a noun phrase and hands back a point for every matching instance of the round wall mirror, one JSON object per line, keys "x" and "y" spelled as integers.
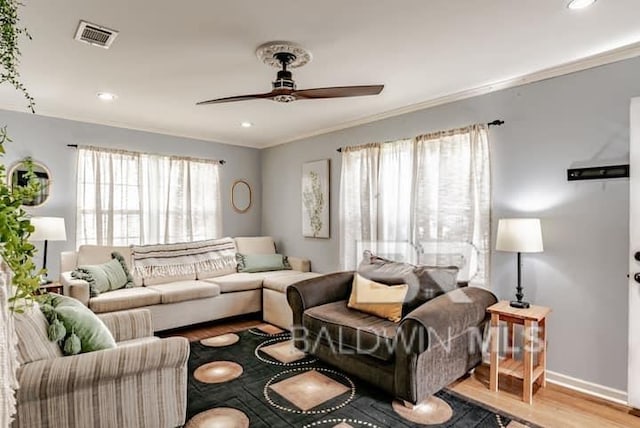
{"x": 17, "y": 177}
{"x": 241, "y": 196}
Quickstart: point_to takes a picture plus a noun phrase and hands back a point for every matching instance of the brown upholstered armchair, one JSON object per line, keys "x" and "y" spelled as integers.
{"x": 432, "y": 346}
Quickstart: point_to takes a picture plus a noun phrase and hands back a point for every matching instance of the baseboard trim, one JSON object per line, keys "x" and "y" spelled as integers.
{"x": 589, "y": 388}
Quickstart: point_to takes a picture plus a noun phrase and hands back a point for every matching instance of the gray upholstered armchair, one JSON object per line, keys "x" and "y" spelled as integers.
{"x": 432, "y": 346}
{"x": 140, "y": 383}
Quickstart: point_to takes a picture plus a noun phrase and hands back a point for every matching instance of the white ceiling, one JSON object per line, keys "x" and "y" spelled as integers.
{"x": 171, "y": 54}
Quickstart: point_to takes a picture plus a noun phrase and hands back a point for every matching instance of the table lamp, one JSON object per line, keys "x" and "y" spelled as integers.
{"x": 519, "y": 235}
{"x": 48, "y": 229}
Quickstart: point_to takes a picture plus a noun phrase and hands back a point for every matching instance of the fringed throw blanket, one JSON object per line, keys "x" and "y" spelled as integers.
{"x": 166, "y": 262}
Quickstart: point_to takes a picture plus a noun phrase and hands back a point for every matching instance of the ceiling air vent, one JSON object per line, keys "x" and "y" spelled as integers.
{"x": 95, "y": 35}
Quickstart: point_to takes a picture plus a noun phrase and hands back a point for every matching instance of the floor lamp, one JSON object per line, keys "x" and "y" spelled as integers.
{"x": 48, "y": 229}
{"x": 519, "y": 235}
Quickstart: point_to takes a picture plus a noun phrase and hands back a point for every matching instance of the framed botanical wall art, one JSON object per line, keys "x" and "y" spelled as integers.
{"x": 315, "y": 199}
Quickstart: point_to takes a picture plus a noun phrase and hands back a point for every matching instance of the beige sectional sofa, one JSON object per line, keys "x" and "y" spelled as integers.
{"x": 180, "y": 300}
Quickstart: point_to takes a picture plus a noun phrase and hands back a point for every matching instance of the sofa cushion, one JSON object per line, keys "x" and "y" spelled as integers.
{"x": 281, "y": 282}
{"x": 95, "y": 276}
{"x": 256, "y": 245}
{"x": 425, "y": 282}
{"x": 377, "y": 299}
{"x": 104, "y": 277}
{"x": 96, "y": 254}
{"x": 236, "y": 282}
{"x": 125, "y": 298}
{"x": 180, "y": 291}
{"x": 91, "y": 333}
{"x": 351, "y": 330}
{"x": 31, "y": 331}
{"x": 252, "y": 263}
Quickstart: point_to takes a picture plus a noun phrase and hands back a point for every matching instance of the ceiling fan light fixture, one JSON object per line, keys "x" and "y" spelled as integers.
{"x": 580, "y": 4}
{"x": 246, "y": 124}
{"x": 285, "y": 55}
{"x": 284, "y": 98}
{"x": 106, "y": 96}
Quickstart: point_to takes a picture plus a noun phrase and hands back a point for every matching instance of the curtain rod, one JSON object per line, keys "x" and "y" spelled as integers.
{"x": 75, "y": 146}
{"x": 496, "y": 122}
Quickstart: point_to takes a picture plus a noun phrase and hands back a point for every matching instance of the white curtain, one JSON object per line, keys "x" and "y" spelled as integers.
{"x": 424, "y": 200}
{"x": 358, "y": 200}
{"x": 452, "y": 213}
{"x": 375, "y": 201}
{"x": 138, "y": 198}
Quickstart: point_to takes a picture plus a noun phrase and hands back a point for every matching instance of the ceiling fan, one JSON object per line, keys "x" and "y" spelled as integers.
{"x": 286, "y": 55}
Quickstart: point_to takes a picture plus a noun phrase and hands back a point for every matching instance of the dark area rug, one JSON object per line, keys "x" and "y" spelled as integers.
{"x": 358, "y": 405}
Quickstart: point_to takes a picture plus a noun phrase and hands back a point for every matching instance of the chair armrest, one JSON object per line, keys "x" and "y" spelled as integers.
{"x": 300, "y": 264}
{"x": 59, "y": 376}
{"x": 443, "y": 318}
{"x": 128, "y": 325}
{"x": 318, "y": 291}
{"x": 76, "y": 288}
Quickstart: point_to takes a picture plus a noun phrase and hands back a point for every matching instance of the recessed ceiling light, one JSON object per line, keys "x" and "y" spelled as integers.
{"x": 106, "y": 96}
{"x": 246, "y": 124}
{"x": 580, "y": 4}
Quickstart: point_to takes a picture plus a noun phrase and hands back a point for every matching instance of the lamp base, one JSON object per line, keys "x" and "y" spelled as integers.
{"x": 519, "y": 304}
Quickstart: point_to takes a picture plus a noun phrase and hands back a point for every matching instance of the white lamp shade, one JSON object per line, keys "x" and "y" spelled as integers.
{"x": 48, "y": 229}
{"x": 519, "y": 235}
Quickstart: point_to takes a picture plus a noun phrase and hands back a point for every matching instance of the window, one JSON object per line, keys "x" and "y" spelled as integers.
{"x": 424, "y": 200}
{"x": 126, "y": 198}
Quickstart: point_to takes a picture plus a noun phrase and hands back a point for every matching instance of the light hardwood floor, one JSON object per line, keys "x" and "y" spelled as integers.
{"x": 552, "y": 406}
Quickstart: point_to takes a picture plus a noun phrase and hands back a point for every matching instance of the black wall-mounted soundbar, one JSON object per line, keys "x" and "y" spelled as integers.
{"x": 598, "y": 172}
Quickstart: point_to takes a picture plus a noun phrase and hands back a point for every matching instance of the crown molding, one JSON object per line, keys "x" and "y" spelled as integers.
{"x": 603, "y": 58}
{"x": 124, "y": 125}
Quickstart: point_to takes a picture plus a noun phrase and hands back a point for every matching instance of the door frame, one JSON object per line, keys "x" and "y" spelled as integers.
{"x": 633, "y": 376}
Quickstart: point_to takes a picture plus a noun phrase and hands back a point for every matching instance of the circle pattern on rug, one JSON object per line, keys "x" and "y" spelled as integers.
{"x": 307, "y": 360}
{"x": 267, "y": 397}
{"x": 257, "y": 332}
{"x": 432, "y": 411}
{"x": 219, "y": 417}
{"x": 336, "y": 422}
{"x": 219, "y": 341}
{"x": 218, "y": 372}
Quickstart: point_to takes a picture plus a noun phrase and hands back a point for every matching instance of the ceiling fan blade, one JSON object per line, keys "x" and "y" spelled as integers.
{"x": 238, "y": 98}
{"x": 338, "y": 92}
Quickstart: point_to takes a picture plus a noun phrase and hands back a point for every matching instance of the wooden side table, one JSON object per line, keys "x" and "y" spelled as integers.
{"x": 533, "y": 318}
{"x": 52, "y": 287}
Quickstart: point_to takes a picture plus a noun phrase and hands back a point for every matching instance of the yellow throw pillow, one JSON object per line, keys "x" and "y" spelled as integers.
{"x": 381, "y": 300}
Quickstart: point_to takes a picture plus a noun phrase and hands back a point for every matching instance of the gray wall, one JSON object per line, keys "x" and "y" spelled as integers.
{"x": 550, "y": 126}
{"x": 46, "y": 139}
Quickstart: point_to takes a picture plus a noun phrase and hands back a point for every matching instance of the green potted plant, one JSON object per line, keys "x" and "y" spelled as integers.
{"x": 15, "y": 228}
{"x": 15, "y": 250}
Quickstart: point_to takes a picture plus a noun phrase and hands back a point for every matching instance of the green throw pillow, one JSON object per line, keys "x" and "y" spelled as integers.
{"x": 81, "y": 329}
{"x": 251, "y": 263}
{"x": 112, "y": 275}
